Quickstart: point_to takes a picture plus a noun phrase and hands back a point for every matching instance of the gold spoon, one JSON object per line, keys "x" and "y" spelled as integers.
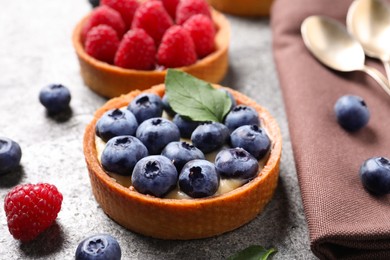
{"x": 369, "y": 22}
{"x": 329, "y": 41}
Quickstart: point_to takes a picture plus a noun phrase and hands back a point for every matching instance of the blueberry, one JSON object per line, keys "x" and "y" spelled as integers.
{"x": 232, "y": 99}
{"x": 253, "y": 139}
{"x": 199, "y": 179}
{"x": 167, "y": 107}
{"x": 351, "y": 112}
{"x": 10, "y": 155}
{"x": 186, "y": 126}
{"x": 154, "y": 175}
{"x": 375, "y": 175}
{"x": 210, "y": 136}
{"x": 94, "y": 3}
{"x": 116, "y": 122}
{"x": 55, "y": 98}
{"x": 241, "y": 115}
{"x": 145, "y": 106}
{"x": 99, "y": 247}
{"x": 156, "y": 133}
{"x": 122, "y": 153}
{"x": 236, "y": 163}
{"x": 180, "y": 153}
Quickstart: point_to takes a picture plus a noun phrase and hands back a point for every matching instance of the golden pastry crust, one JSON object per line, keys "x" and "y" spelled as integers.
{"x": 111, "y": 81}
{"x": 243, "y": 7}
{"x": 187, "y": 218}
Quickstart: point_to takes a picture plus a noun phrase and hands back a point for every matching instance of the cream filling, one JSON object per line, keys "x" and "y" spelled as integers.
{"x": 225, "y": 185}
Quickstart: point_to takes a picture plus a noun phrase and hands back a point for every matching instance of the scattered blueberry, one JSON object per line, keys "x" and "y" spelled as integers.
{"x": 145, "y": 106}
{"x": 199, "y": 179}
{"x": 167, "y": 107}
{"x": 351, "y": 112}
{"x": 236, "y": 163}
{"x": 180, "y": 153}
{"x": 154, "y": 175}
{"x": 232, "y": 99}
{"x": 210, "y": 136}
{"x": 156, "y": 133}
{"x": 251, "y": 138}
{"x": 241, "y": 115}
{"x": 99, "y": 247}
{"x": 122, "y": 153}
{"x": 94, "y": 3}
{"x": 10, "y": 155}
{"x": 116, "y": 122}
{"x": 375, "y": 175}
{"x": 55, "y": 98}
{"x": 186, "y": 126}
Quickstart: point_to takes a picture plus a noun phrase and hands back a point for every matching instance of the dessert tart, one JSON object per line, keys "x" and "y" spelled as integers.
{"x": 243, "y": 7}
{"x": 111, "y": 81}
{"x": 186, "y": 218}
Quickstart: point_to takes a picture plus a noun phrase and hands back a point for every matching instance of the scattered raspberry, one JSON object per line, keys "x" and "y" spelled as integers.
{"x": 31, "y": 208}
{"x": 177, "y": 49}
{"x": 202, "y": 31}
{"x": 102, "y": 43}
{"x": 188, "y": 8}
{"x": 104, "y": 15}
{"x": 170, "y": 6}
{"x": 125, "y": 7}
{"x": 153, "y": 18}
{"x": 136, "y": 51}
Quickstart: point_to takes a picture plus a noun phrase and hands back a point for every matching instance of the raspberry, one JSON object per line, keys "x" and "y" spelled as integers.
{"x": 171, "y": 6}
{"x": 153, "y": 18}
{"x": 102, "y": 43}
{"x": 125, "y": 7}
{"x": 188, "y": 8}
{"x": 201, "y": 29}
{"x": 104, "y": 15}
{"x": 31, "y": 208}
{"x": 177, "y": 49}
{"x": 136, "y": 51}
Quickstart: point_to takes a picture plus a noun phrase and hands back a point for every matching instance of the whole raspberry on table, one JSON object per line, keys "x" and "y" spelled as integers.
{"x": 104, "y": 15}
{"x": 153, "y": 18}
{"x": 188, "y": 8}
{"x": 177, "y": 48}
{"x": 136, "y": 51}
{"x": 202, "y": 31}
{"x": 102, "y": 43}
{"x": 31, "y": 208}
{"x": 126, "y": 8}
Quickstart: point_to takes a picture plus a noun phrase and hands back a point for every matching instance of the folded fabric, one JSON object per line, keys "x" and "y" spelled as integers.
{"x": 345, "y": 221}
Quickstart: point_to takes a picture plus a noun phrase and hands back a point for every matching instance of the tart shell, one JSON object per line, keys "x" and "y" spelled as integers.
{"x": 111, "y": 81}
{"x": 187, "y": 218}
{"x": 243, "y": 7}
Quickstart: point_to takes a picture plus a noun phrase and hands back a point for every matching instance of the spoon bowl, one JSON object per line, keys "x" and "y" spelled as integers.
{"x": 369, "y": 22}
{"x": 329, "y": 41}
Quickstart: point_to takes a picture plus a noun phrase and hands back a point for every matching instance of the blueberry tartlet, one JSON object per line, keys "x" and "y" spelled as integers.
{"x": 189, "y": 201}
{"x": 119, "y": 56}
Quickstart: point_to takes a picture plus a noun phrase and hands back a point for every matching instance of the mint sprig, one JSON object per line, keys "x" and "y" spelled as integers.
{"x": 194, "y": 98}
{"x": 253, "y": 253}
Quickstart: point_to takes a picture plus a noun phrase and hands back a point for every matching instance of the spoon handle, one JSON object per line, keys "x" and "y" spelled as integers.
{"x": 386, "y": 64}
{"x": 379, "y": 77}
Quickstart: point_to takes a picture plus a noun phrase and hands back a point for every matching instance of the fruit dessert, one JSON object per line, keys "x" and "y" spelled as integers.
{"x": 150, "y": 178}
{"x": 127, "y": 44}
{"x": 243, "y": 7}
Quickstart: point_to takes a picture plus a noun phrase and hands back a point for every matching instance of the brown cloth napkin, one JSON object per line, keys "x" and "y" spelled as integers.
{"x": 345, "y": 221}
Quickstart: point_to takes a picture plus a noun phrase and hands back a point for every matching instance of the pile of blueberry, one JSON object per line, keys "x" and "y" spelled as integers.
{"x": 146, "y": 146}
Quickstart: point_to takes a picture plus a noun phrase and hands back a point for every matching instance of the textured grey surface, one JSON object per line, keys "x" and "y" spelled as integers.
{"x": 35, "y": 50}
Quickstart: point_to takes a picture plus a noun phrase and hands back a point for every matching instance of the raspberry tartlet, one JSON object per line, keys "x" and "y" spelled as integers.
{"x": 110, "y": 80}
{"x": 243, "y": 7}
{"x": 186, "y": 218}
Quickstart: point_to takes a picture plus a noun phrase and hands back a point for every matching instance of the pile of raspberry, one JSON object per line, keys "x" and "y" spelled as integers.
{"x": 155, "y": 34}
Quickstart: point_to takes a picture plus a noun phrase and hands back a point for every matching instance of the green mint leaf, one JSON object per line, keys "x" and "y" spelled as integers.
{"x": 253, "y": 253}
{"x": 195, "y": 98}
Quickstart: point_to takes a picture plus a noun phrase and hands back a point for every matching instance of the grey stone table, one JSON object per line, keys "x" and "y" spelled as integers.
{"x": 35, "y": 50}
